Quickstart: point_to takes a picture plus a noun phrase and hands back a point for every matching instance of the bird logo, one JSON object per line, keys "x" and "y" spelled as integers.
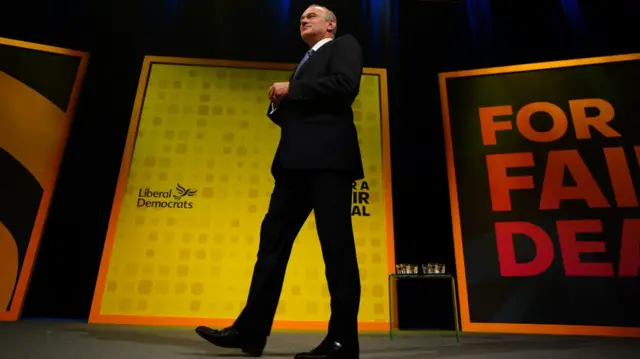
{"x": 183, "y": 192}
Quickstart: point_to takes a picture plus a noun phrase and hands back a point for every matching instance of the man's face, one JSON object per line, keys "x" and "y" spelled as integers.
{"x": 314, "y": 24}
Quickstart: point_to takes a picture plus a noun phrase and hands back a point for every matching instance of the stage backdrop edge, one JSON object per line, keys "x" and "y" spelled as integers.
{"x": 503, "y": 95}
{"x": 176, "y": 290}
{"x": 39, "y": 88}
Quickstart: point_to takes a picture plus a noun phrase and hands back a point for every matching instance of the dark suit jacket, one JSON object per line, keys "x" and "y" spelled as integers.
{"x": 316, "y": 119}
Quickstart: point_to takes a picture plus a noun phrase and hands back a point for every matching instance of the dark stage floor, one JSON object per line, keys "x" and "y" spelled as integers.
{"x": 53, "y": 340}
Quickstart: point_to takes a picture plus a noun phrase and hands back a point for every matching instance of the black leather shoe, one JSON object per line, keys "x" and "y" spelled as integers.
{"x": 231, "y": 338}
{"x": 333, "y": 350}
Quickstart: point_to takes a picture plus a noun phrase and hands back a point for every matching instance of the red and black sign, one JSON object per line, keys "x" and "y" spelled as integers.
{"x": 544, "y": 172}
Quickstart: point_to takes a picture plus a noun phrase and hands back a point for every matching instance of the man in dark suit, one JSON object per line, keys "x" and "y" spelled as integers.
{"x": 317, "y": 160}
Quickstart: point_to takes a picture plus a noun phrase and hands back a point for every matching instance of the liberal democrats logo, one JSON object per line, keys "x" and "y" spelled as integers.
{"x": 178, "y": 199}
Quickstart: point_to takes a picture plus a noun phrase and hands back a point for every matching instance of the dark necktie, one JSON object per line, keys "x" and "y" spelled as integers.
{"x": 304, "y": 59}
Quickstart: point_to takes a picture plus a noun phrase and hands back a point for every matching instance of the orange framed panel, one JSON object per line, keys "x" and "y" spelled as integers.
{"x": 386, "y": 188}
{"x": 467, "y": 324}
{"x": 44, "y": 173}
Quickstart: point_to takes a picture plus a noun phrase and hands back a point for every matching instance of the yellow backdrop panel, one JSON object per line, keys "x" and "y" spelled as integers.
{"x": 184, "y": 234}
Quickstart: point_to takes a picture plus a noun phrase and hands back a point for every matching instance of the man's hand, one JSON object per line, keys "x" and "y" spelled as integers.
{"x": 278, "y": 91}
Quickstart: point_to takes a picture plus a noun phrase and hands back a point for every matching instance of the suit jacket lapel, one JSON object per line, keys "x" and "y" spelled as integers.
{"x": 306, "y": 64}
{"x": 300, "y": 68}
{"x": 293, "y": 73}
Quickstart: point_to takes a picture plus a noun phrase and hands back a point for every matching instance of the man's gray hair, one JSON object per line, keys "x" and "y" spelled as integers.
{"x": 329, "y": 17}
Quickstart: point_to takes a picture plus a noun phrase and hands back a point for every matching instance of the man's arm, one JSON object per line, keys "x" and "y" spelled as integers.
{"x": 343, "y": 81}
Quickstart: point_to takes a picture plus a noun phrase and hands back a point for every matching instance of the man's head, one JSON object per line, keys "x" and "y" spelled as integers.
{"x": 316, "y": 23}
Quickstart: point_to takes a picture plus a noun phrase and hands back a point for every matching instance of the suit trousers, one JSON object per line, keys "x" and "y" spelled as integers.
{"x": 296, "y": 193}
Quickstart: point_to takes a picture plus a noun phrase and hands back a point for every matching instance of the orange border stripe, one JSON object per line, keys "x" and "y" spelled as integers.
{"x": 223, "y": 322}
{"x": 95, "y": 315}
{"x": 465, "y": 318}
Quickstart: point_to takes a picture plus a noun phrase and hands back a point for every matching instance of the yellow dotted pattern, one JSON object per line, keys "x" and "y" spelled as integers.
{"x": 198, "y": 188}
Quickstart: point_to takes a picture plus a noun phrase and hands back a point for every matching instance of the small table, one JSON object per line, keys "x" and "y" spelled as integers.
{"x": 424, "y": 276}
